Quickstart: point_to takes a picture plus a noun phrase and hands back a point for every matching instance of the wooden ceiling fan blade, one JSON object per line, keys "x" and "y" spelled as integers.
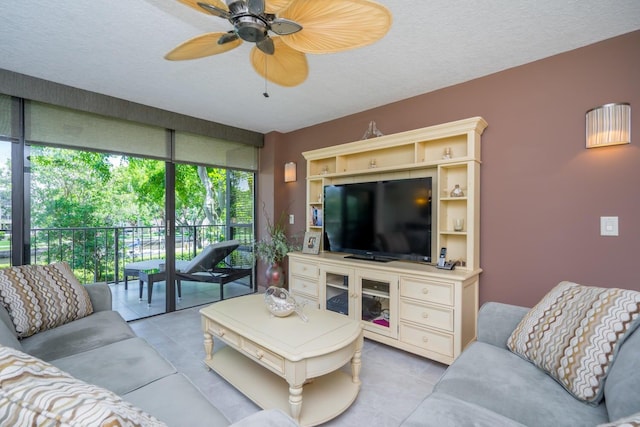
{"x": 275, "y": 6}
{"x": 201, "y": 46}
{"x": 330, "y": 26}
{"x": 286, "y": 67}
{"x": 215, "y": 3}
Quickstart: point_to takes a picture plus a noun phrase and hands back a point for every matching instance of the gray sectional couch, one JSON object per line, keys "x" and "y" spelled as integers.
{"x": 102, "y": 349}
{"x": 488, "y": 385}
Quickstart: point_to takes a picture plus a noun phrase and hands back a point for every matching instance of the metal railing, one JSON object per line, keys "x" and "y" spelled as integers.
{"x": 99, "y": 254}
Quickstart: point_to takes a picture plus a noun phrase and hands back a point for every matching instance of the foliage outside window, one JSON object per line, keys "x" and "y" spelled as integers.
{"x": 84, "y": 205}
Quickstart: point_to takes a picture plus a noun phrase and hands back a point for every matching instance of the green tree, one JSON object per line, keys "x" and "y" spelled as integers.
{"x": 70, "y": 189}
{"x": 88, "y": 191}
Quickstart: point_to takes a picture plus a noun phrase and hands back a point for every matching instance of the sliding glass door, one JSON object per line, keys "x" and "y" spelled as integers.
{"x": 213, "y": 206}
{"x": 5, "y": 203}
{"x": 125, "y": 203}
{"x": 104, "y": 215}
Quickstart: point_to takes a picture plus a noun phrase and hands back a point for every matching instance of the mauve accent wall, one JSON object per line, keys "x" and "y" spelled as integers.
{"x": 542, "y": 192}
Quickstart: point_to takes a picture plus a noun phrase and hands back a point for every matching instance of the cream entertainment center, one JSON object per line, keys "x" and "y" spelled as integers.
{"x": 406, "y": 301}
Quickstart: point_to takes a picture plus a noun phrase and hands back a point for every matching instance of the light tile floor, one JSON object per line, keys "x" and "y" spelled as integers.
{"x": 393, "y": 382}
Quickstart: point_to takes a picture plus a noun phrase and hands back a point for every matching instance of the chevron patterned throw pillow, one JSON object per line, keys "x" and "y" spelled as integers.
{"x": 42, "y": 297}
{"x": 574, "y": 334}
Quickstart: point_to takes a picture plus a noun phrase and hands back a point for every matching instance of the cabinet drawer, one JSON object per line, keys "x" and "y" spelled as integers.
{"x": 306, "y": 301}
{"x": 304, "y": 269}
{"x": 303, "y": 286}
{"x": 263, "y": 356}
{"x": 437, "y": 317}
{"x": 224, "y": 334}
{"x": 426, "y": 339}
{"x": 429, "y": 291}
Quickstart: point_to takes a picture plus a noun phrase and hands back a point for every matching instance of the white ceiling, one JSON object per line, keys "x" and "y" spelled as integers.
{"x": 116, "y": 48}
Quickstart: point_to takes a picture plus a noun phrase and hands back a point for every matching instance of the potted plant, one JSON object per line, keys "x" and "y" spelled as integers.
{"x": 272, "y": 250}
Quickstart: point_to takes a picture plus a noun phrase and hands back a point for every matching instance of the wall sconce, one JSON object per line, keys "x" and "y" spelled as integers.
{"x": 609, "y": 124}
{"x": 290, "y": 172}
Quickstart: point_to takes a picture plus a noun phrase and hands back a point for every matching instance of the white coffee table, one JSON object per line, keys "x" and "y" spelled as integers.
{"x": 272, "y": 360}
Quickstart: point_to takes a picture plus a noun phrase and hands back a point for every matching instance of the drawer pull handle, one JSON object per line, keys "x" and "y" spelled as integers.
{"x": 221, "y": 332}
{"x": 425, "y": 315}
{"x": 425, "y": 340}
{"x": 425, "y": 291}
{"x": 259, "y": 354}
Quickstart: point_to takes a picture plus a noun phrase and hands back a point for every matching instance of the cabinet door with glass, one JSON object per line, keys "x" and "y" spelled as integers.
{"x": 377, "y": 301}
{"x": 337, "y": 289}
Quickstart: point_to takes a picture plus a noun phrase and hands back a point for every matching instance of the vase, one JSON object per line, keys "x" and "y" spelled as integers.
{"x": 274, "y": 275}
{"x": 457, "y": 191}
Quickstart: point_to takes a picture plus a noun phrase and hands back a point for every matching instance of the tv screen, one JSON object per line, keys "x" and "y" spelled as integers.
{"x": 378, "y": 220}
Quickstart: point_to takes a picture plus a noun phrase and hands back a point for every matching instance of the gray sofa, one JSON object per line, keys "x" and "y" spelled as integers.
{"x": 488, "y": 385}
{"x": 102, "y": 349}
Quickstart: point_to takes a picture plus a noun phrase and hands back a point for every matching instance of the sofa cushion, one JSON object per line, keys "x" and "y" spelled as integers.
{"x": 97, "y": 330}
{"x": 125, "y": 365}
{"x": 42, "y": 297}
{"x": 622, "y": 388}
{"x": 496, "y": 322}
{"x": 8, "y": 335}
{"x": 501, "y": 381}
{"x": 442, "y": 410}
{"x": 33, "y": 392}
{"x": 574, "y": 334}
{"x": 177, "y": 402}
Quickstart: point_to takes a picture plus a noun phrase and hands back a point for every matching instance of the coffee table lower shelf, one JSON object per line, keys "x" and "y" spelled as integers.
{"x": 323, "y": 398}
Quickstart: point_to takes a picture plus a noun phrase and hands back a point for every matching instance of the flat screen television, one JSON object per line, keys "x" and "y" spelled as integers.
{"x": 382, "y": 220}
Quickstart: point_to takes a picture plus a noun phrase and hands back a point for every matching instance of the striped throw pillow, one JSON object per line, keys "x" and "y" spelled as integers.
{"x": 574, "y": 333}
{"x": 42, "y": 297}
{"x": 630, "y": 421}
{"x": 35, "y": 393}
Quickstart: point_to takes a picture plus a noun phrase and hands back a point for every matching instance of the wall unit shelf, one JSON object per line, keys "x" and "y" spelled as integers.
{"x": 450, "y": 153}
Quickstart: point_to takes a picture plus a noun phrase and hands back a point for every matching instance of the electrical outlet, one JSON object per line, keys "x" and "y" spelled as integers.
{"x": 291, "y": 218}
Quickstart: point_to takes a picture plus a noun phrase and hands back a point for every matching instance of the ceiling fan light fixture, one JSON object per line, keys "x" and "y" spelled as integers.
{"x": 251, "y": 29}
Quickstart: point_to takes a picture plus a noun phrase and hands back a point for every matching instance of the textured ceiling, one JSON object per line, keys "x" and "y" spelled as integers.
{"x": 116, "y": 48}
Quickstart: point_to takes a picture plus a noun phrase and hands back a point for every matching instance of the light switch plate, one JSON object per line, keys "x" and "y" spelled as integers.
{"x": 608, "y": 225}
{"x": 291, "y": 219}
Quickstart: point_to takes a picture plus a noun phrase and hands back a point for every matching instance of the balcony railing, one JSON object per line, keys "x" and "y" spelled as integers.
{"x": 99, "y": 254}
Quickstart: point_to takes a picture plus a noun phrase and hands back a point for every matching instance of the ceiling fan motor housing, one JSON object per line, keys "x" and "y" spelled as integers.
{"x": 250, "y": 28}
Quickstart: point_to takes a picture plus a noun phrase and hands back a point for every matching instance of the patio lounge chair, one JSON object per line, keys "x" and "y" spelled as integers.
{"x": 202, "y": 268}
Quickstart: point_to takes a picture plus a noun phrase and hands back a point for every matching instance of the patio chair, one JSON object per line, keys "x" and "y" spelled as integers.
{"x": 202, "y": 268}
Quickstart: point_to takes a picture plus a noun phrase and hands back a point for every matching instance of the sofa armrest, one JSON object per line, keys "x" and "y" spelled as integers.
{"x": 266, "y": 418}
{"x": 100, "y": 295}
{"x": 496, "y": 322}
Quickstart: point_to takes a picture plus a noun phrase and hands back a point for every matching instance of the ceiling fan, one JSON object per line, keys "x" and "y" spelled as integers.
{"x": 284, "y": 31}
